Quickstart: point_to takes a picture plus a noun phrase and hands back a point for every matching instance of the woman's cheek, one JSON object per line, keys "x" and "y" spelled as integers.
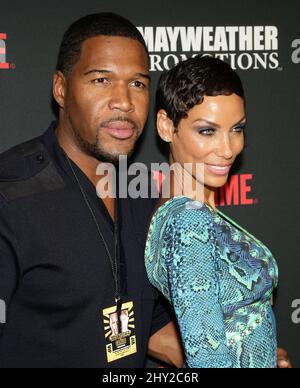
{"x": 201, "y": 149}
{"x": 240, "y": 145}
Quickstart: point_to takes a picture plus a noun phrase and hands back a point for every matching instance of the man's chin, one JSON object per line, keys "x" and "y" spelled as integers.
{"x": 114, "y": 157}
{"x": 114, "y": 153}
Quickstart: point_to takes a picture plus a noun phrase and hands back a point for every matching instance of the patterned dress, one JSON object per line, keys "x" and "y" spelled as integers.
{"x": 219, "y": 280}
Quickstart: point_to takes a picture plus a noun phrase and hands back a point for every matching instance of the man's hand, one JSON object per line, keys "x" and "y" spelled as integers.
{"x": 283, "y": 359}
{"x": 165, "y": 345}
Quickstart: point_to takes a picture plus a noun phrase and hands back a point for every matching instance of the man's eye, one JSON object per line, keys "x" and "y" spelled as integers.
{"x": 100, "y": 81}
{"x": 138, "y": 84}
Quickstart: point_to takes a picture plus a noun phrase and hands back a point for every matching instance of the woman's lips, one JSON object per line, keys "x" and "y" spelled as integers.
{"x": 120, "y": 130}
{"x": 219, "y": 170}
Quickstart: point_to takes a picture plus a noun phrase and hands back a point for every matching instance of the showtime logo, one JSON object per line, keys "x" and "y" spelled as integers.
{"x": 236, "y": 192}
{"x": 244, "y": 47}
{"x": 3, "y": 63}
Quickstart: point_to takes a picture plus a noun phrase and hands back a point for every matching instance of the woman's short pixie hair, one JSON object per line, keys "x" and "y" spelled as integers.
{"x": 186, "y": 85}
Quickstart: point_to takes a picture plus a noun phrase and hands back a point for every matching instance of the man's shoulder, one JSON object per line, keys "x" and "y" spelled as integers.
{"x": 26, "y": 169}
{"x": 21, "y": 149}
{"x": 22, "y": 161}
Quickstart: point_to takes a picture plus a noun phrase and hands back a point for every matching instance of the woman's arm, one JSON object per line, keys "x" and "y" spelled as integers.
{"x": 194, "y": 288}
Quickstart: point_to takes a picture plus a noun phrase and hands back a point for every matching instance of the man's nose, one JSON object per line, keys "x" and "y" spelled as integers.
{"x": 121, "y": 100}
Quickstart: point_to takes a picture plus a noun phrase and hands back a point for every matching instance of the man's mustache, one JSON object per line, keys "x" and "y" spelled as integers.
{"x": 121, "y": 119}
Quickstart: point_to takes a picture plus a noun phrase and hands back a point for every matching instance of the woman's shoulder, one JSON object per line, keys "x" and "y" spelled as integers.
{"x": 182, "y": 210}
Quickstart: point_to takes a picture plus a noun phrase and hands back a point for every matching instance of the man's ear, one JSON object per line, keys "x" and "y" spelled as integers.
{"x": 59, "y": 88}
{"x": 165, "y": 126}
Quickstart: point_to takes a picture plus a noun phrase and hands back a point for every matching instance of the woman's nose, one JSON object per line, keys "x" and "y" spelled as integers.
{"x": 225, "y": 148}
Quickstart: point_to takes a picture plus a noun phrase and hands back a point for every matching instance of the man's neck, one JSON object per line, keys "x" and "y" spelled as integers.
{"x": 87, "y": 164}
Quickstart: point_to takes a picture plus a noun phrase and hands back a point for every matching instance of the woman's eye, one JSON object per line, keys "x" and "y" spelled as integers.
{"x": 239, "y": 129}
{"x": 207, "y": 132}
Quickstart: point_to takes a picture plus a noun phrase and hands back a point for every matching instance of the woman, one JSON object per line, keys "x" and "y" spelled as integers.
{"x": 217, "y": 276}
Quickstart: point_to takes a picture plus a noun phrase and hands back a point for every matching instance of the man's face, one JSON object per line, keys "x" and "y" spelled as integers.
{"x": 106, "y": 97}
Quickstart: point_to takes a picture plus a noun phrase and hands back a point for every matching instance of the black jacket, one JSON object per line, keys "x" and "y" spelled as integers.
{"x": 55, "y": 277}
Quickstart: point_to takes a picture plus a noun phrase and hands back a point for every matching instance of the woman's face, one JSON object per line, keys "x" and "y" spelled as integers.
{"x": 211, "y": 135}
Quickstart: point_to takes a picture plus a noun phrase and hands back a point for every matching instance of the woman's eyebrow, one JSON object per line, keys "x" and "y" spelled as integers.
{"x": 211, "y": 123}
{"x": 208, "y": 122}
{"x": 240, "y": 122}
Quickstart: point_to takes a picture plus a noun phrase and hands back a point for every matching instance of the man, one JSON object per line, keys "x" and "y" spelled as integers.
{"x": 61, "y": 276}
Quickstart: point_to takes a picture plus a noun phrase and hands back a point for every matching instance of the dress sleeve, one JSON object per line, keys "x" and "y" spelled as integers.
{"x": 194, "y": 288}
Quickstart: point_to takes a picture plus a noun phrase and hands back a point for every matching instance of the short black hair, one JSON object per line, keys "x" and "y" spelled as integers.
{"x": 105, "y": 24}
{"x": 186, "y": 85}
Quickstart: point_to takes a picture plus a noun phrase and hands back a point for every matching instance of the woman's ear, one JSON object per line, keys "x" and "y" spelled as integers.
{"x": 165, "y": 126}
{"x": 59, "y": 88}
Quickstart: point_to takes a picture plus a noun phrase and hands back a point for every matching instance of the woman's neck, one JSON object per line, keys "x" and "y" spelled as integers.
{"x": 188, "y": 186}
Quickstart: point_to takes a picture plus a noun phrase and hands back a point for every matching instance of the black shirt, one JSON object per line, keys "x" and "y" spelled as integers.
{"x": 55, "y": 276}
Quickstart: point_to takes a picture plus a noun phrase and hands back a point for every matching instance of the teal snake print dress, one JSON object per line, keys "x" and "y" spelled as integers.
{"x": 219, "y": 280}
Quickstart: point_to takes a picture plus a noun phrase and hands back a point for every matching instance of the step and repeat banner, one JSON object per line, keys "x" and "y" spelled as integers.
{"x": 259, "y": 38}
